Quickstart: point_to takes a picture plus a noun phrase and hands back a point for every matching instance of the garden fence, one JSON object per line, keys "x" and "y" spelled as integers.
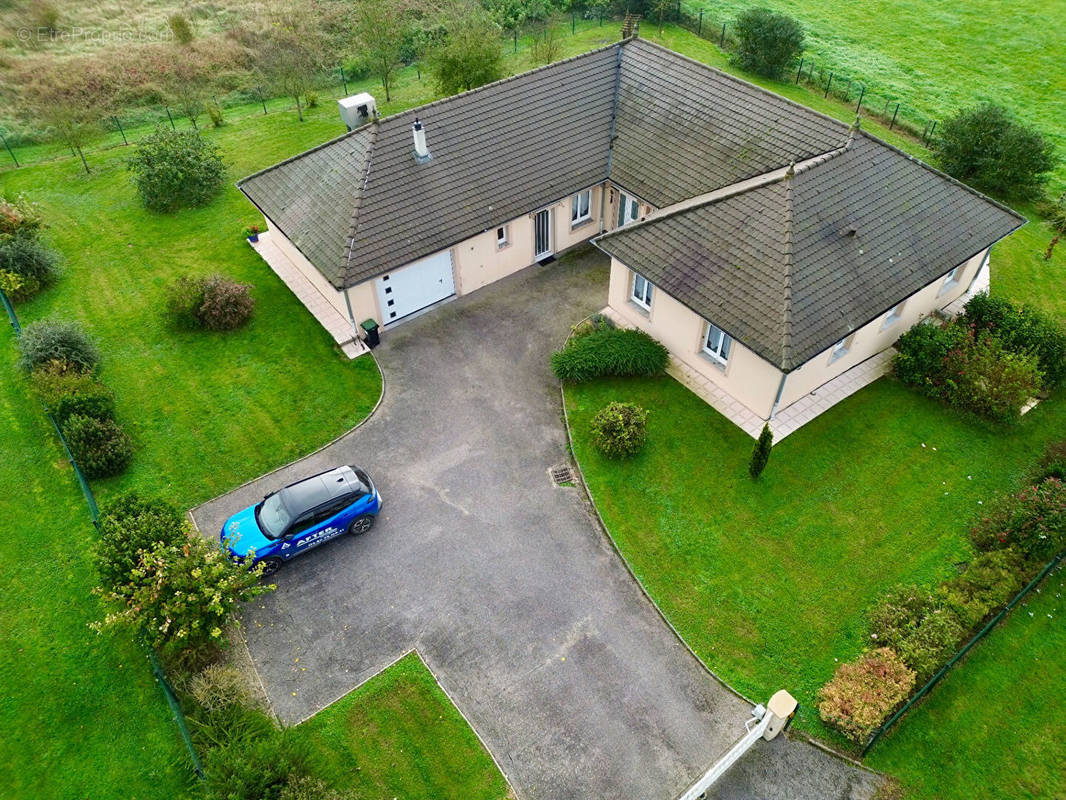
{"x": 94, "y": 513}
{"x": 981, "y": 634}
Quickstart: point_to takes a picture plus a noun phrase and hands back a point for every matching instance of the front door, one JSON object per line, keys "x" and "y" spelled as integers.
{"x": 542, "y": 234}
{"x": 628, "y": 210}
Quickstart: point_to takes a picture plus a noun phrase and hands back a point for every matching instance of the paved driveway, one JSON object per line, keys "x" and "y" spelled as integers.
{"x": 504, "y": 584}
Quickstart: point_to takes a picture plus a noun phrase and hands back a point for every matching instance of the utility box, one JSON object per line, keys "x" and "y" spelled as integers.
{"x": 780, "y": 708}
{"x": 358, "y": 110}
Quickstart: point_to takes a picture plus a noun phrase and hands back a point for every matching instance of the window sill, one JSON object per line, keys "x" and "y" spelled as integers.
{"x": 502, "y": 246}
{"x": 642, "y": 310}
{"x": 581, "y": 223}
{"x": 714, "y": 362}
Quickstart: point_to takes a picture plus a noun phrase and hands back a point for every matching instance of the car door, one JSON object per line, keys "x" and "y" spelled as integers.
{"x": 312, "y": 528}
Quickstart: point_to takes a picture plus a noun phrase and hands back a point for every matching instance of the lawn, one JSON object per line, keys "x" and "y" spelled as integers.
{"x": 398, "y": 735}
{"x": 1018, "y": 750}
{"x": 768, "y": 581}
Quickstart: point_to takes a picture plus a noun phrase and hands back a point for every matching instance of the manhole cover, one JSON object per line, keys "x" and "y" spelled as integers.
{"x": 562, "y": 475}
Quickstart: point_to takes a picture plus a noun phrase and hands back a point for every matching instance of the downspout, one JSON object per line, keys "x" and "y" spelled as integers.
{"x": 351, "y": 316}
{"x": 780, "y": 391}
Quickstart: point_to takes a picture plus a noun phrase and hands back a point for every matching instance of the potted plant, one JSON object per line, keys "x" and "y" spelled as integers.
{"x": 252, "y": 233}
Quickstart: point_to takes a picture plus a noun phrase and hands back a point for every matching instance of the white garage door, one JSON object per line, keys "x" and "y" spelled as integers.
{"x": 405, "y": 291}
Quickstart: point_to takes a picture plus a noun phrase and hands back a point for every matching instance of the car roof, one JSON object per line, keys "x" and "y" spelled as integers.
{"x": 311, "y": 492}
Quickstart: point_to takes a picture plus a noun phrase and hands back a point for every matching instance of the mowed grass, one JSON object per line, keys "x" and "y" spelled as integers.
{"x": 398, "y": 735}
{"x": 81, "y": 715}
{"x": 993, "y": 727}
{"x": 769, "y": 581}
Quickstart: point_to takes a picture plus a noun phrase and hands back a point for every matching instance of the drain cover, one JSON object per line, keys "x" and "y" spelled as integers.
{"x": 562, "y": 475}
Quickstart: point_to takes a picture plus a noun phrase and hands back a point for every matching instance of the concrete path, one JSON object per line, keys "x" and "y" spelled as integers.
{"x": 503, "y": 583}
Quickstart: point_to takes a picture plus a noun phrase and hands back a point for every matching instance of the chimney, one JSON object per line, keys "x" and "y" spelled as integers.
{"x": 421, "y": 151}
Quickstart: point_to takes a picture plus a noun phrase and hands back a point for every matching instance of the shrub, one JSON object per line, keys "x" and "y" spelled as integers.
{"x": 761, "y": 452}
{"x": 305, "y": 787}
{"x": 19, "y": 217}
{"x": 227, "y": 304}
{"x": 258, "y": 768}
{"x": 30, "y": 259}
{"x": 1032, "y": 520}
{"x": 99, "y": 404}
{"x": 597, "y": 322}
{"x": 990, "y": 580}
{"x": 16, "y": 287}
{"x": 921, "y": 351}
{"x": 222, "y": 713}
{"x": 469, "y": 55}
{"x": 985, "y": 378}
{"x": 182, "y": 596}
{"x": 214, "y": 113}
{"x": 176, "y": 169}
{"x": 619, "y": 429}
{"x": 311, "y": 99}
{"x": 180, "y": 27}
{"x": 767, "y": 43}
{"x": 917, "y": 627}
{"x": 218, "y": 686}
{"x": 99, "y": 446}
{"x": 1053, "y": 462}
{"x": 129, "y": 526}
{"x": 215, "y": 302}
{"x": 987, "y": 148}
{"x": 1021, "y": 330}
{"x": 621, "y": 352}
{"x": 862, "y": 693}
{"x": 55, "y": 380}
{"x": 49, "y": 341}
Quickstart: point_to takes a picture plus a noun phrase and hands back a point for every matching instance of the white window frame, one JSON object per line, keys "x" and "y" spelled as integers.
{"x": 576, "y": 217}
{"x": 894, "y": 315}
{"x": 841, "y": 348}
{"x": 725, "y": 344}
{"x": 627, "y": 203}
{"x": 502, "y": 241}
{"x": 644, "y": 299}
{"x": 953, "y": 278}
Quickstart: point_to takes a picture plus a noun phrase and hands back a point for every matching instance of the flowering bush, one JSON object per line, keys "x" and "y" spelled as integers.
{"x": 1053, "y": 462}
{"x": 19, "y": 217}
{"x": 1021, "y": 330}
{"x": 182, "y": 595}
{"x": 130, "y": 526}
{"x": 918, "y": 628}
{"x": 619, "y": 429}
{"x": 1033, "y": 520}
{"x": 862, "y": 693}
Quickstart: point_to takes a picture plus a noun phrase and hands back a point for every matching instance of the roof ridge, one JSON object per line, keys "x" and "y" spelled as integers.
{"x": 303, "y": 153}
{"x": 786, "y": 286}
{"x": 614, "y": 107}
{"x": 357, "y": 202}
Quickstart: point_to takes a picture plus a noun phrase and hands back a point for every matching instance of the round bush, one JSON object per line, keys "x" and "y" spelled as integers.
{"x": 55, "y": 380}
{"x": 99, "y": 446}
{"x": 917, "y": 626}
{"x": 619, "y": 429}
{"x": 226, "y": 305}
{"x": 610, "y": 351}
{"x": 129, "y": 526}
{"x": 864, "y": 692}
{"x": 176, "y": 169}
{"x": 767, "y": 43}
{"x": 29, "y": 258}
{"x": 50, "y": 341}
{"x": 98, "y": 405}
{"x": 184, "y": 296}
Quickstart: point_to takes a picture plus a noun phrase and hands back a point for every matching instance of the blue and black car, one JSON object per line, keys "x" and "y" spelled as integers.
{"x": 301, "y": 516}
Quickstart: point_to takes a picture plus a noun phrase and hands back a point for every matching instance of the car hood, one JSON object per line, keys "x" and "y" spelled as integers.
{"x": 243, "y": 534}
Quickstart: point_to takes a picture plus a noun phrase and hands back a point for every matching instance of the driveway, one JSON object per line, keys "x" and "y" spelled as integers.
{"x": 503, "y": 583}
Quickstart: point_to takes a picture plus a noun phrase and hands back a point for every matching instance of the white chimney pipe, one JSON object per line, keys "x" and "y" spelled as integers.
{"x": 421, "y": 151}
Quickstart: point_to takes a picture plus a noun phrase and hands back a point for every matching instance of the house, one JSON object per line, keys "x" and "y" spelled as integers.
{"x": 776, "y": 252}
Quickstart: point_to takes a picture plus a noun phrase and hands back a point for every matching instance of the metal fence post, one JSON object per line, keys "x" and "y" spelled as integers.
{"x": 828, "y": 84}
{"x": 799, "y": 72}
{"x": 894, "y": 113}
{"x": 11, "y": 314}
{"x": 932, "y": 130}
{"x": 259, "y": 90}
{"x": 10, "y": 152}
{"x": 573, "y": 22}
{"x": 699, "y": 29}
{"x": 170, "y": 117}
{"x": 344, "y": 80}
{"x": 119, "y": 124}
{"x": 175, "y": 708}
{"x": 721, "y": 43}
{"x": 862, "y": 94}
{"x": 516, "y": 40}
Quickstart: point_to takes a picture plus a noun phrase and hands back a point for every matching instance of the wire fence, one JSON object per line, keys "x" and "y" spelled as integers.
{"x": 981, "y": 634}
{"x": 94, "y": 514}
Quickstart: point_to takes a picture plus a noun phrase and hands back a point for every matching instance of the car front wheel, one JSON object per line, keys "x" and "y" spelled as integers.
{"x": 361, "y": 524}
{"x": 270, "y": 566}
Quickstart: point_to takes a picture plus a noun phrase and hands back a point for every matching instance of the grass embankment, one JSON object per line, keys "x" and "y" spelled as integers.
{"x": 398, "y": 735}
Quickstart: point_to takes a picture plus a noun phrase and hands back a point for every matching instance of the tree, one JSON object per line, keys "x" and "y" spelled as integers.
{"x": 769, "y": 43}
{"x": 176, "y": 169}
{"x": 291, "y": 52}
{"x": 660, "y": 7}
{"x": 383, "y": 30}
{"x": 469, "y": 56}
{"x": 68, "y": 105}
{"x": 986, "y": 147}
{"x": 185, "y": 85}
{"x": 761, "y": 454}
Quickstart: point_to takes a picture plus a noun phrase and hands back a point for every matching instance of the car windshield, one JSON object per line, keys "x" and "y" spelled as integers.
{"x": 272, "y": 516}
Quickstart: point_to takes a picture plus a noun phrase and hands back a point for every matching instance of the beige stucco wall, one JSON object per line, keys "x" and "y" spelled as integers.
{"x": 875, "y": 336}
{"x": 746, "y": 376}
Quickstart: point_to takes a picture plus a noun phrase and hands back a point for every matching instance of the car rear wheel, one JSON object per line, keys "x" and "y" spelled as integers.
{"x": 270, "y": 566}
{"x": 361, "y": 524}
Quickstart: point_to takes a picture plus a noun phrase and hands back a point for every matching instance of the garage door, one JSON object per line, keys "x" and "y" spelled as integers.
{"x": 412, "y": 288}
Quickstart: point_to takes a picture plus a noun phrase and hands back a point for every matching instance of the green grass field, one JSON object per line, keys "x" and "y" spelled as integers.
{"x": 769, "y": 581}
{"x": 398, "y": 735}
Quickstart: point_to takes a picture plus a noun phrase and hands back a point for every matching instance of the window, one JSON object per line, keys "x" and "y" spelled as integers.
{"x": 501, "y": 236}
{"x": 581, "y": 207}
{"x": 952, "y": 278}
{"x": 894, "y": 315}
{"x": 628, "y": 210}
{"x": 642, "y": 290}
{"x": 841, "y": 348}
{"x": 716, "y": 344}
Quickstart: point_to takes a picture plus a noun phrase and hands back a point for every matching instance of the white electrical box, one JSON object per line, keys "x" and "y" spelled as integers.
{"x": 358, "y": 110}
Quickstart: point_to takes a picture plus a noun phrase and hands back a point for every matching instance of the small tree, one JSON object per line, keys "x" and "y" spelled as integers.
{"x": 619, "y": 429}
{"x": 660, "y": 7}
{"x": 383, "y": 29}
{"x": 768, "y": 43}
{"x": 182, "y": 596}
{"x": 185, "y": 85}
{"x": 469, "y": 56}
{"x": 292, "y": 52}
{"x": 176, "y": 169}
{"x": 987, "y": 148}
{"x": 69, "y": 104}
{"x": 761, "y": 454}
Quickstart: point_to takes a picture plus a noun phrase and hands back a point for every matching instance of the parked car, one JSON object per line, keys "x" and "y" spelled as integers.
{"x": 303, "y": 515}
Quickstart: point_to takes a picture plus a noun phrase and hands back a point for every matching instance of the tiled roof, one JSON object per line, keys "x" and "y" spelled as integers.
{"x": 791, "y": 266}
